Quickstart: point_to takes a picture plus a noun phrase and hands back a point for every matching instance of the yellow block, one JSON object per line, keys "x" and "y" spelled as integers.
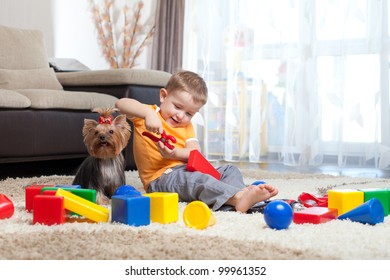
{"x": 164, "y": 207}
{"x": 83, "y": 207}
{"x": 344, "y": 200}
{"x": 198, "y": 215}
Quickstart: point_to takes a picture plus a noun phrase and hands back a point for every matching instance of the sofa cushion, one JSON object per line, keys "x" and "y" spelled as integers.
{"x": 22, "y": 49}
{"x": 43, "y": 78}
{"x": 115, "y": 77}
{"x": 60, "y": 99}
{"x": 13, "y": 99}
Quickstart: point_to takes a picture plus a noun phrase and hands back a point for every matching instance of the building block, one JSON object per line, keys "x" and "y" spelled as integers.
{"x": 52, "y": 191}
{"x": 55, "y": 188}
{"x": 130, "y": 210}
{"x": 88, "y": 194}
{"x": 7, "y": 207}
{"x": 370, "y": 212}
{"x": 49, "y": 210}
{"x": 68, "y": 186}
{"x": 83, "y": 207}
{"x": 48, "y": 192}
{"x": 164, "y": 207}
{"x": 383, "y": 195}
{"x": 314, "y": 215}
{"x": 127, "y": 190}
{"x": 30, "y": 192}
{"x": 197, "y": 162}
{"x": 344, "y": 200}
{"x": 198, "y": 215}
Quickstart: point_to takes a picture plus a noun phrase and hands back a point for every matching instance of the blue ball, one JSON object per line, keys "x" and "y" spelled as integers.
{"x": 256, "y": 183}
{"x": 278, "y": 214}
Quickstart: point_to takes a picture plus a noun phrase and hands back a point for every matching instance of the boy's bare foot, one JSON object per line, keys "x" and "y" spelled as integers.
{"x": 247, "y": 197}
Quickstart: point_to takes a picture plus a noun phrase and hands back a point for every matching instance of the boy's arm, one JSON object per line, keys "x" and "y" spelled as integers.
{"x": 133, "y": 108}
{"x": 181, "y": 154}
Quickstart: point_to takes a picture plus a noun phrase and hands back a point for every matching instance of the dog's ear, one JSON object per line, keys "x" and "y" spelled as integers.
{"x": 88, "y": 125}
{"x": 121, "y": 122}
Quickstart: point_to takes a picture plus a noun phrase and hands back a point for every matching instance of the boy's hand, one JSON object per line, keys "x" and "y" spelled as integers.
{"x": 153, "y": 123}
{"x": 165, "y": 151}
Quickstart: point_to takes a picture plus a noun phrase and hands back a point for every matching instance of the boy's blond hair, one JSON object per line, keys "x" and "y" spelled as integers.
{"x": 190, "y": 82}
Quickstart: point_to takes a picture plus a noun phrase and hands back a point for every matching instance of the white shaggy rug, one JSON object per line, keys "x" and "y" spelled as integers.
{"x": 235, "y": 236}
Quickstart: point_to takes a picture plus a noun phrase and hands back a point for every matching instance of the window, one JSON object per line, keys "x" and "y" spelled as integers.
{"x": 324, "y": 67}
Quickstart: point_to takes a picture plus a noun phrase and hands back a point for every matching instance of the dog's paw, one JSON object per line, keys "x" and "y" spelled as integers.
{"x": 101, "y": 199}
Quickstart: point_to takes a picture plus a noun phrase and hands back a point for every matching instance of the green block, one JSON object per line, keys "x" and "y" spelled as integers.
{"x": 69, "y": 187}
{"x": 87, "y": 194}
{"x": 383, "y": 195}
{"x": 51, "y": 189}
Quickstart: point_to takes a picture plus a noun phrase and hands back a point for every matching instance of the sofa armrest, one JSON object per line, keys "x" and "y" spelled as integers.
{"x": 144, "y": 94}
{"x": 114, "y": 77}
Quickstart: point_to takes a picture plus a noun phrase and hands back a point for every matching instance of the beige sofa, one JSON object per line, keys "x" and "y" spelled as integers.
{"x": 42, "y": 112}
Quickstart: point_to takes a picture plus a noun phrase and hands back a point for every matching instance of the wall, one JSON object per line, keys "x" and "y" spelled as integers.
{"x": 67, "y": 26}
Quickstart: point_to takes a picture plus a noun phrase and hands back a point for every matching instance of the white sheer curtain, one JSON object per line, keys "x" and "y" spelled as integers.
{"x": 300, "y": 82}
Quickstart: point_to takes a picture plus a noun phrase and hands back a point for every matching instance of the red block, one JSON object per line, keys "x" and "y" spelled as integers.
{"x": 314, "y": 215}
{"x": 53, "y": 192}
{"x": 30, "y": 192}
{"x": 197, "y": 162}
{"x": 7, "y": 207}
{"x": 49, "y": 210}
{"x": 49, "y": 192}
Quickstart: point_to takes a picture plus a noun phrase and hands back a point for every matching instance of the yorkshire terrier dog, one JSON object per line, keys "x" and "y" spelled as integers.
{"x": 104, "y": 168}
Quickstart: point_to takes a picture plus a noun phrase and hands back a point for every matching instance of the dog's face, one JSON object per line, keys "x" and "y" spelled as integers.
{"x": 106, "y": 138}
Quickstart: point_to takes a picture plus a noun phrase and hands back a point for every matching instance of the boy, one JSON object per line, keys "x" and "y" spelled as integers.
{"x": 164, "y": 170}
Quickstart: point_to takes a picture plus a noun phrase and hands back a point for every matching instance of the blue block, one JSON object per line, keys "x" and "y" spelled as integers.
{"x": 130, "y": 210}
{"x": 127, "y": 190}
{"x": 68, "y": 186}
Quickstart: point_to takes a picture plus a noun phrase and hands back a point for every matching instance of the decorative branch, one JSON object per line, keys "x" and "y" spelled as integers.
{"x": 105, "y": 33}
{"x": 134, "y": 38}
{"x": 148, "y": 38}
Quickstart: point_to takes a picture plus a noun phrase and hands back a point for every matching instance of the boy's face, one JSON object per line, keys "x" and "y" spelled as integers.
{"x": 177, "y": 108}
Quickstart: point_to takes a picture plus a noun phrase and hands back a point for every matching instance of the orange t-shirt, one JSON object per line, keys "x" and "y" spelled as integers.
{"x": 150, "y": 164}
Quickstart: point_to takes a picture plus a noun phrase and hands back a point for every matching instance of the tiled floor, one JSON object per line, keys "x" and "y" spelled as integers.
{"x": 69, "y": 167}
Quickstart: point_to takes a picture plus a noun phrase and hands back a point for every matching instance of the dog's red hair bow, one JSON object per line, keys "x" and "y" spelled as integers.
{"x": 105, "y": 120}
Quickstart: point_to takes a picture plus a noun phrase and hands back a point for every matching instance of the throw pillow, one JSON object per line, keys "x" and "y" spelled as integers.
{"x": 73, "y": 100}
{"x": 13, "y": 99}
{"x": 22, "y": 48}
{"x": 42, "y": 78}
